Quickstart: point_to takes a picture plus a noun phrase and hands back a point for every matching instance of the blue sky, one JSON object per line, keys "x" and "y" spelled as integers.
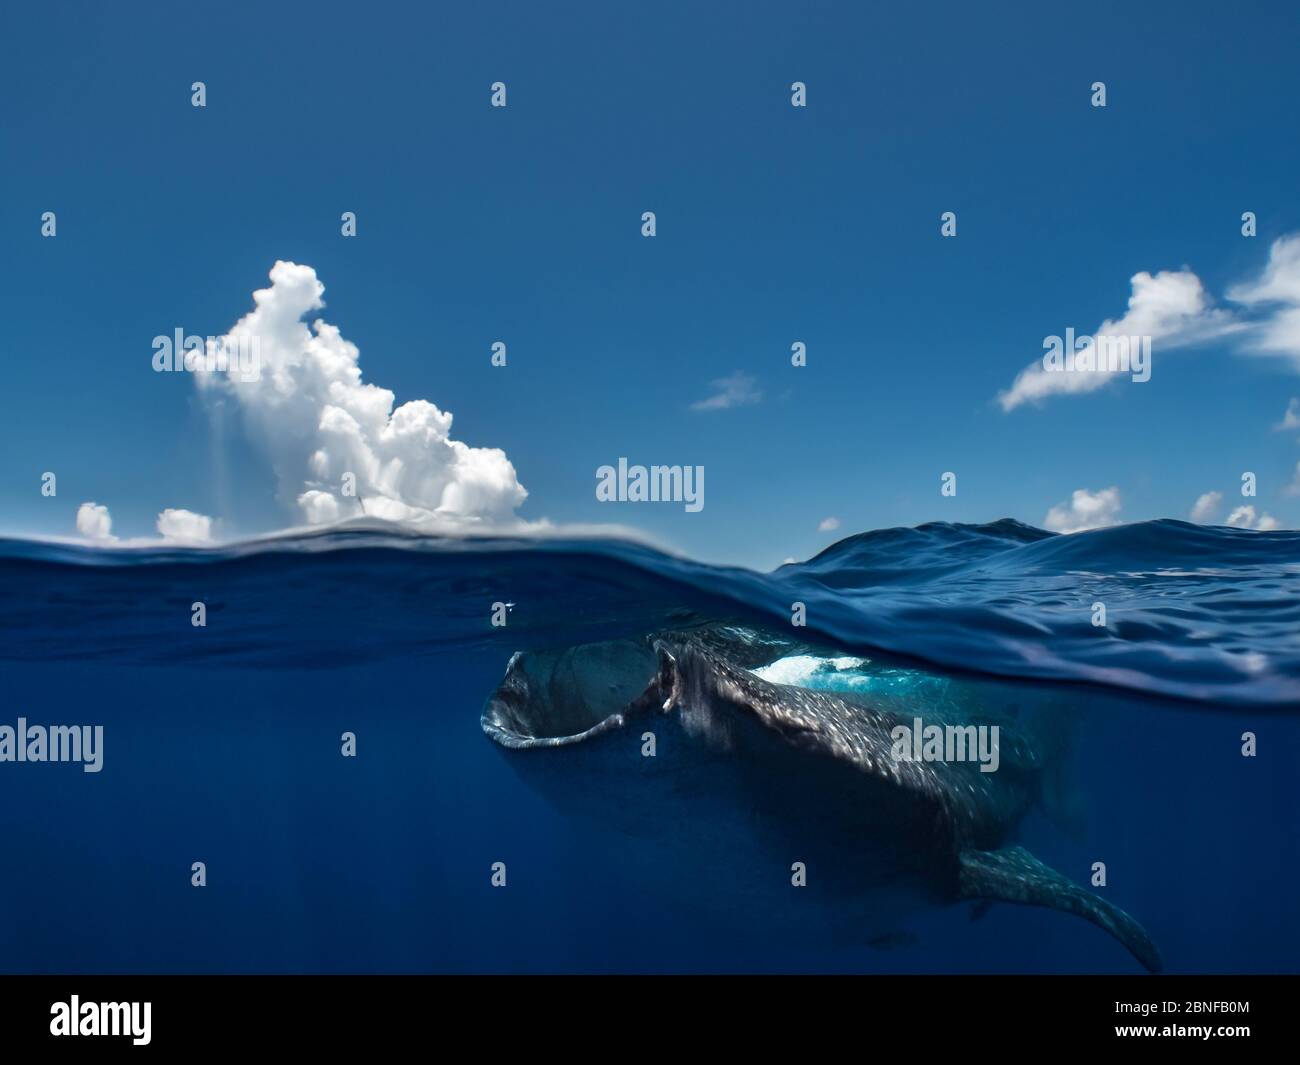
{"x": 775, "y": 224}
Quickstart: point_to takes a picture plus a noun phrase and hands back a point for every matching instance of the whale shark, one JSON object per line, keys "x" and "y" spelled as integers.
{"x": 730, "y": 791}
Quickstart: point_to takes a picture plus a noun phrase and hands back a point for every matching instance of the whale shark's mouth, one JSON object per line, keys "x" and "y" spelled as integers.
{"x": 555, "y": 698}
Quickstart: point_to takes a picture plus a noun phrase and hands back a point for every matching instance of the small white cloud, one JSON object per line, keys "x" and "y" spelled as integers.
{"x": 319, "y": 508}
{"x": 1086, "y": 510}
{"x": 1244, "y": 518}
{"x": 737, "y": 390}
{"x": 1291, "y": 419}
{"x": 1170, "y": 307}
{"x": 829, "y": 524}
{"x": 1206, "y": 507}
{"x": 94, "y": 522}
{"x": 184, "y": 526}
{"x": 1293, "y": 489}
{"x": 1278, "y": 290}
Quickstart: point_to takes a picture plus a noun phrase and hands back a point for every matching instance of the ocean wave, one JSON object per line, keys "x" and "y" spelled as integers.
{"x": 1208, "y": 614}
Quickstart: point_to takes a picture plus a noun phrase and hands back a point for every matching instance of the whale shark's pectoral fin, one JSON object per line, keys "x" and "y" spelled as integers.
{"x": 1012, "y": 874}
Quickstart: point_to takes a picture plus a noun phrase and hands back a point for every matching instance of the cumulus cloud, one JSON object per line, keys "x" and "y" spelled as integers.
{"x": 175, "y": 526}
{"x": 737, "y": 390}
{"x": 184, "y": 526}
{"x": 318, "y": 422}
{"x": 1086, "y": 510}
{"x": 1206, "y": 507}
{"x": 1171, "y": 307}
{"x": 829, "y": 524}
{"x": 1244, "y": 518}
{"x": 94, "y": 522}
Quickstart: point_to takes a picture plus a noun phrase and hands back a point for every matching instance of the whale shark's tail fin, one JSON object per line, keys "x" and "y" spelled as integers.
{"x": 1012, "y": 874}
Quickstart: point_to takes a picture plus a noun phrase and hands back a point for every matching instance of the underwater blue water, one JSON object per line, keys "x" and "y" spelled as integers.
{"x": 222, "y": 745}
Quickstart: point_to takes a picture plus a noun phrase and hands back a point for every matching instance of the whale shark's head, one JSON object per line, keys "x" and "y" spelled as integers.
{"x": 557, "y": 698}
